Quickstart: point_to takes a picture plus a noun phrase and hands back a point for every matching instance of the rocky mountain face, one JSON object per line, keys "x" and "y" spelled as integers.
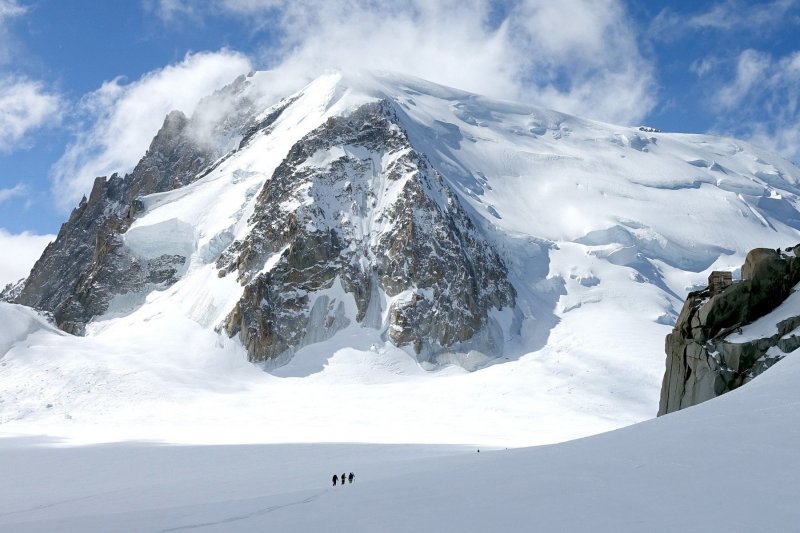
{"x": 86, "y": 266}
{"x": 355, "y": 208}
{"x": 707, "y": 355}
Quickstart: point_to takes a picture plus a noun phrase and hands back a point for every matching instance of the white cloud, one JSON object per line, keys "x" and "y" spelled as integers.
{"x": 24, "y": 106}
{"x": 592, "y": 46}
{"x": 750, "y": 70}
{"x": 736, "y": 14}
{"x": 172, "y": 11}
{"x": 580, "y": 56}
{"x": 11, "y": 8}
{"x": 728, "y": 15}
{"x": 783, "y": 139}
{"x": 703, "y": 66}
{"x": 122, "y": 118}
{"x": 17, "y": 190}
{"x": 763, "y": 97}
{"x": 19, "y": 253}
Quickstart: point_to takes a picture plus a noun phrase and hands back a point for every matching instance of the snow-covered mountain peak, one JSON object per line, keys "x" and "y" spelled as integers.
{"x": 372, "y": 226}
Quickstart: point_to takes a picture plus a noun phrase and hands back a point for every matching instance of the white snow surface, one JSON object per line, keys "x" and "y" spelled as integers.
{"x": 604, "y": 230}
{"x": 676, "y": 473}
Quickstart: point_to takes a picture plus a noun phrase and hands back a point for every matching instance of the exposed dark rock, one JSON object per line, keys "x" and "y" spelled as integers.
{"x": 80, "y": 272}
{"x": 353, "y": 208}
{"x": 704, "y": 360}
{"x": 12, "y": 291}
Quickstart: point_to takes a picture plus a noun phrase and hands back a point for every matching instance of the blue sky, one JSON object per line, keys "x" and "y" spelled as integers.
{"x": 85, "y": 84}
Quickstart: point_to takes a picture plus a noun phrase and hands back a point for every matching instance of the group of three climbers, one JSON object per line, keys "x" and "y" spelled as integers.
{"x": 350, "y": 478}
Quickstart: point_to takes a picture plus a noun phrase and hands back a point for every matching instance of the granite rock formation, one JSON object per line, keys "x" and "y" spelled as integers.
{"x": 704, "y": 356}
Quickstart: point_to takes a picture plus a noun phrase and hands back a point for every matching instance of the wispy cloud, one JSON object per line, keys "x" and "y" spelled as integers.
{"x": 120, "y": 119}
{"x": 24, "y": 106}
{"x": 751, "y": 68}
{"x": 175, "y": 11}
{"x": 579, "y": 56}
{"x": 764, "y": 97}
{"x": 11, "y": 8}
{"x": 17, "y": 190}
{"x": 751, "y": 17}
{"x": 736, "y": 14}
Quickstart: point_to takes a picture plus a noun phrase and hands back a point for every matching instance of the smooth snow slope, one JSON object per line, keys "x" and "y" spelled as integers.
{"x": 604, "y": 228}
{"x": 730, "y": 464}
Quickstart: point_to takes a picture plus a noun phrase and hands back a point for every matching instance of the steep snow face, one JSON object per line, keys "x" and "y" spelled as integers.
{"x": 601, "y": 230}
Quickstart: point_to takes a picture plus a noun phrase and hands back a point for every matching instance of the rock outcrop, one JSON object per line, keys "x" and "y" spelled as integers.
{"x": 704, "y": 356}
{"x": 354, "y": 209}
{"x": 80, "y": 272}
{"x": 12, "y": 291}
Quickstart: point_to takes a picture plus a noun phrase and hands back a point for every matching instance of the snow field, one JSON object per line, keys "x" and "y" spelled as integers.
{"x": 630, "y": 480}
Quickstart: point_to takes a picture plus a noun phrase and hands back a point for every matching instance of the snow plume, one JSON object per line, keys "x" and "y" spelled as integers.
{"x": 580, "y": 56}
{"x": 120, "y": 119}
{"x": 763, "y": 97}
{"x": 20, "y": 252}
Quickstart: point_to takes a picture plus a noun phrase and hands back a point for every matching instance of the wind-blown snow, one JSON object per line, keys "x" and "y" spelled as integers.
{"x": 19, "y": 322}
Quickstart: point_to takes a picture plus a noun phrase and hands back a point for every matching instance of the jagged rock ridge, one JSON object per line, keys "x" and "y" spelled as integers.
{"x": 706, "y": 356}
{"x": 87, "y": 265}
